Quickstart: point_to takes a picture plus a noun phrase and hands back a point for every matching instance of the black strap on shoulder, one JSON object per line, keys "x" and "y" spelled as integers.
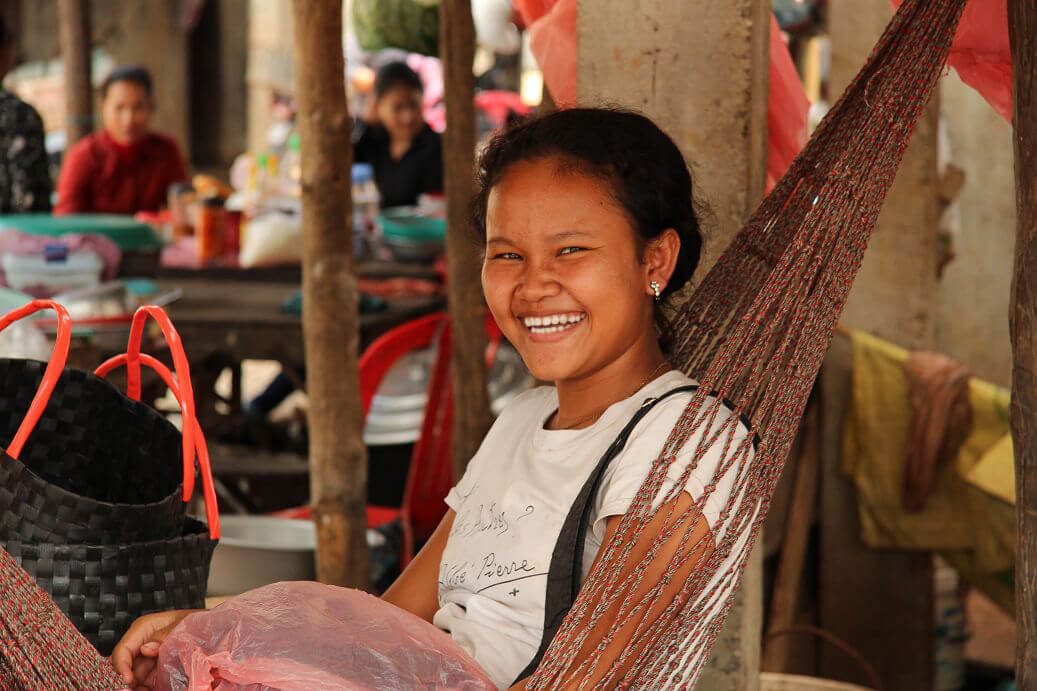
{"x": 563, "y": 576}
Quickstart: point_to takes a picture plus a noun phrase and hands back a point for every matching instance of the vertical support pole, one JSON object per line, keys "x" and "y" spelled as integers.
{"x": 464, "y": 289}
{"x": 74, "y": 35}
{"x": 1022, "y": 30}
{"x": 338, "y": 462}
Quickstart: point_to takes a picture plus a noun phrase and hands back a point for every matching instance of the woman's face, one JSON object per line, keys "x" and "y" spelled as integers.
{"x": 399, "y": 111}
{"x": 126, "y": 112}
{"x": 562, "y": 275}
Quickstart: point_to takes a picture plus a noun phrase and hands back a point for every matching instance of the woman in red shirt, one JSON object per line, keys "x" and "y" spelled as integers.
{"x": 124, "y": 168}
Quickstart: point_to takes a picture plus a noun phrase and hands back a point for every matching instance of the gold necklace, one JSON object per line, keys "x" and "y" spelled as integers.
{"x": 654, "y": 373}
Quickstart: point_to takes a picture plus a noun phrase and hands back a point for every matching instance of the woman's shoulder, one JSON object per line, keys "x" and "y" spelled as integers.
{"x": 679, "y": 390}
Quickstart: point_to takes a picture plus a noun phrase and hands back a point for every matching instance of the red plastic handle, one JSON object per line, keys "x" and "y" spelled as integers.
{"x": 212, "y": 512}
{"x": 183, "y": 377}
{"x": 50, "y": 376}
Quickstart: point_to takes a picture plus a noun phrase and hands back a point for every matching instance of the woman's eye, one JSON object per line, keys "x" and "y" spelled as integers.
{"x": 506, "y": 255}
{"x": 571, "y": 250}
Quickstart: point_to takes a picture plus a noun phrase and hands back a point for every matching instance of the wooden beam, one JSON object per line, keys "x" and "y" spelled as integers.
{"x": 338, "y": 465}
{"x": 74, "y": 35}
{"x": 464, "y": 289}
{"x": 1022, "y": 30}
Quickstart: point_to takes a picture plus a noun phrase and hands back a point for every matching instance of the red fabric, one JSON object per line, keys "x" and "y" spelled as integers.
{"x": 787, "y": 108}
{"x": 553, "y": 37}
{"x": 102, "y": 176}
{"x": 981, "y": 54}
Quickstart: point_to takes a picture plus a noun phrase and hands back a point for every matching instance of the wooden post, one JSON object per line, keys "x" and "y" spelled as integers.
{"x": 1022, "y": 30}
{"x": 789, "y": 578}
{"x": 338, "y": 462}
{"x": 464, "y": 289}
{"x": 74, "y": 34}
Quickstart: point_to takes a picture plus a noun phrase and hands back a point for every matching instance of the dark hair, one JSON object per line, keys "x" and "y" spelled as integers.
{"x": 133, "y": 74}
{"x": 396, "y": 74}
{"x": 5, "y": 34}
{"x": 646, "y": 171}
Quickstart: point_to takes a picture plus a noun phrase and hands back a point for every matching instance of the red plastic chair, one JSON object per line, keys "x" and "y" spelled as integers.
{"x": 430, "y": 476}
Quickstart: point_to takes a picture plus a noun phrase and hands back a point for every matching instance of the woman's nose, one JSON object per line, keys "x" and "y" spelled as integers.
{"x": 537, "y": 283}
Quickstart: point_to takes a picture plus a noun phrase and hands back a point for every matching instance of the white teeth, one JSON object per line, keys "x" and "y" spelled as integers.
{"x": 552, "y": 323}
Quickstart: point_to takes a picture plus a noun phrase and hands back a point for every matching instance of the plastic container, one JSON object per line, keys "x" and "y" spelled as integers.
{"x": 411, "y": 235}
{"x": 125, "y": 231}
{"x": 57, "y": 269}
{"x": 212, "y": 230}
{"x": 257, "y": 550}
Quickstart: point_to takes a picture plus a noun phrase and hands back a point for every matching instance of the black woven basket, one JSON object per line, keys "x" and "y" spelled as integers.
{"x": 98, "y": 468}
{"x": 104, "y": 588}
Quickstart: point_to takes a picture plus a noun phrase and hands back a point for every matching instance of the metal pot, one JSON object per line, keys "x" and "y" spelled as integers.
{"x": 399, "y": 405}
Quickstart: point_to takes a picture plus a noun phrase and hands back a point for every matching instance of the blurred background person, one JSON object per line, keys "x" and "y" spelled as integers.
{"x": 124, "y": 168}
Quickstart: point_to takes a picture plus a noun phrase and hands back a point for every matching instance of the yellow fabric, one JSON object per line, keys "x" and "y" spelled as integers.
{"x": 966, "y": 517}
{"x": 995, "y": 471}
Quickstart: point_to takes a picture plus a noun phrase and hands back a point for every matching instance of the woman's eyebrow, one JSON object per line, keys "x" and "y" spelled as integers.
{"x": 568, "y": 234}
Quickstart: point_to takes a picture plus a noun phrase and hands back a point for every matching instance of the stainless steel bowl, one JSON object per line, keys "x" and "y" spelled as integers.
{"x": 258, "y": 550}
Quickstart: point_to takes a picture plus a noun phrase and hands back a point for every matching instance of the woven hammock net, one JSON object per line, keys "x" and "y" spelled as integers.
{"x": 754, "y": 333}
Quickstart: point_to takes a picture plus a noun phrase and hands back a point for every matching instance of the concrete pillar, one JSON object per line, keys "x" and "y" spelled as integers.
{"x": 895, "y": 296}
{"x": 972, "y": 323}
{"x": 897, "y": 290}
{"x": 735, "y": 663}
{"x": 699, "y": 70}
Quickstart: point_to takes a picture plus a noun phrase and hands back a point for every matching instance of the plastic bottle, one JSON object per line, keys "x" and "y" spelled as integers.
{"x": 291, "y": 169}
{"x": 366, "y": 200}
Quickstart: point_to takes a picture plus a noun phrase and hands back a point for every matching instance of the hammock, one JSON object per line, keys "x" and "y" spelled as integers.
{"x": 755, "y": 333}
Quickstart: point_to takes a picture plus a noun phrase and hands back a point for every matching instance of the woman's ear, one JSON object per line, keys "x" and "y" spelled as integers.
{"x": 660, "y": 259}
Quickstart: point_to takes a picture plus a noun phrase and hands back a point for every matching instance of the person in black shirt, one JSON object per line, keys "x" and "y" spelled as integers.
{"x": 406, "y": 154}
{"x": 25, "y": 183}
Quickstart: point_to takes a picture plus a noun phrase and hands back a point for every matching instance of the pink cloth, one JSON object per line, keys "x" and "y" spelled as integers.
{"x": 981, "y": 54}
{"x": 553, "y": 26}
{"x": 787, "y": 108}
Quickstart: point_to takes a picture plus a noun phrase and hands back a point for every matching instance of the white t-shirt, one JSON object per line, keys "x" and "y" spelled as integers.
{"x": 517, "y": 492}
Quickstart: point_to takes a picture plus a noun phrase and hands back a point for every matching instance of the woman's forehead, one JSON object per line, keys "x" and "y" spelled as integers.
{"x": 547, "y": 199}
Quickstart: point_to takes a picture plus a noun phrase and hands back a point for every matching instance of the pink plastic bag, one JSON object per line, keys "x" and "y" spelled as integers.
{"x": 302, "y": 636}
{"x": 981, "y": 53}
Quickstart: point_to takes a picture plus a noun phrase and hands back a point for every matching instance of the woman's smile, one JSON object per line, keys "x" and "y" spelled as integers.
{"x": 552, "y": 327}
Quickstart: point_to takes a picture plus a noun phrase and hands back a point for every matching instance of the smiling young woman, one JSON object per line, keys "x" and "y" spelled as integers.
{"x": 588, "y": 224}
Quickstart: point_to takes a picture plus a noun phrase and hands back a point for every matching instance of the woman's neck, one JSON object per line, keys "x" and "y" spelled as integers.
{"x": 581, "y": 401}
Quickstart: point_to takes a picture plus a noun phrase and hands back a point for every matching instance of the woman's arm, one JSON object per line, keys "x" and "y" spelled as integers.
{"x": 417, "y": 588}
{"x": 698, "y": 547}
